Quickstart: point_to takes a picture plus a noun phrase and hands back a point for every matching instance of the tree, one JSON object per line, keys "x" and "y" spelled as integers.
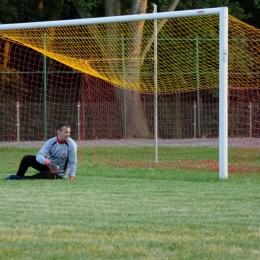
{"x": 252, "y": 11}
{"x": 12, "y": 11}
{"x": 137, "y": 126}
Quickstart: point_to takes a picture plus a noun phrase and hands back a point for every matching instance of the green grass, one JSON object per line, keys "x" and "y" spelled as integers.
{"x": 129, "y": 213}
{"x": 146, "y": 153}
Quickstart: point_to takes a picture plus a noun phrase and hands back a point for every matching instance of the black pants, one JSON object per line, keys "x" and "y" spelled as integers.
{"x": 44, "y": 171}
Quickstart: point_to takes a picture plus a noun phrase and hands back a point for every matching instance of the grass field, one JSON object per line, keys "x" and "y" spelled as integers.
{"x": 129, "y": 213}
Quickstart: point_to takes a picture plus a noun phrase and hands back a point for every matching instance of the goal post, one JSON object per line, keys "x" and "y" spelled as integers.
{"x": 33, "y": 35}
{"x": 223, "y": 93}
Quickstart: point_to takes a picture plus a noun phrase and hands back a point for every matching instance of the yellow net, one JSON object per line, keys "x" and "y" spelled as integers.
{"x": 122, "y": 53}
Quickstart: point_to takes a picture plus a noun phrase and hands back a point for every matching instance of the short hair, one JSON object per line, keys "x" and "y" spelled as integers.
{"x": 61, "y": 125}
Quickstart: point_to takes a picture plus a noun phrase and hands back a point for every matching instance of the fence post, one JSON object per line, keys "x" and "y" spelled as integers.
{"x": 198, "y": 84}
{"x": 18, "y": 121}
{"x": 195, "y": 119}
{"x": 155, "y": 33}
{"x": 250, "y": 119}
{"x": 124, "y": 90}
{"x": 78, "y": 105}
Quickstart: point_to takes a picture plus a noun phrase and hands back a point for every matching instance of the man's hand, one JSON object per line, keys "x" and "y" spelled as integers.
{"x": 52, "y": 166}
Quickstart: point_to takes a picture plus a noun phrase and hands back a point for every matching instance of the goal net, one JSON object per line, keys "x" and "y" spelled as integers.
{"x": 98, "y": 75}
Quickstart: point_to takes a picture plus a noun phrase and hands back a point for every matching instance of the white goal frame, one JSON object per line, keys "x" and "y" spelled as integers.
{"x": 223, "y": 58}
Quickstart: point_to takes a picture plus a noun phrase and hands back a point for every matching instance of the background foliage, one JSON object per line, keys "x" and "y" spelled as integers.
{"x": 12, "y": 11}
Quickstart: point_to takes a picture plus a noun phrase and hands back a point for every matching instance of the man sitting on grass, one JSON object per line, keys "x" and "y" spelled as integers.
{"x": 56, "y": 159}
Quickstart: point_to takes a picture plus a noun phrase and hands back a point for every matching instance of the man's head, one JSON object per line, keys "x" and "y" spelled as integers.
{"x": 63, "y": 131}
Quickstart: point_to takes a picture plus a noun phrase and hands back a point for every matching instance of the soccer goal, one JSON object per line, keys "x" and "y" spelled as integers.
{"x": 102, "y": 75}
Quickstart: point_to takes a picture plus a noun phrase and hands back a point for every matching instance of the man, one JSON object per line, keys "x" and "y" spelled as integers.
{"x": 56, "y": 159}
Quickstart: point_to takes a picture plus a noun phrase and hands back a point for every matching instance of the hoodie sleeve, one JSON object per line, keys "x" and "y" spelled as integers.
{"x": 73, "y": 160}
{"x": 43, "y": 153}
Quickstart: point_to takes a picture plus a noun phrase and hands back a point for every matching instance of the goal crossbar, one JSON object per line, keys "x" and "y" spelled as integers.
{"x": 115, "y": 19}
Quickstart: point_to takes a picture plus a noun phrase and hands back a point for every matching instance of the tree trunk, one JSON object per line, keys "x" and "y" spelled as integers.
{"x": 131, "y": 106}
